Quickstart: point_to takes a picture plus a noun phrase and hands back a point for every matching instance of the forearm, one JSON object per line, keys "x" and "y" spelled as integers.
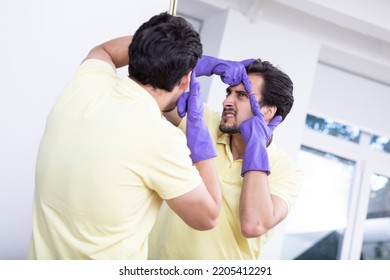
{"x": 259, "y": 210}
{"x": 114, "y": 52}
{"x": 208, "y": 172}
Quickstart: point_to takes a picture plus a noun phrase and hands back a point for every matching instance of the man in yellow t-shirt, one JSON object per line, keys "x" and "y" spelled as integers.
{"x": 259, "y": 182}
{"x": 108, "y": 158}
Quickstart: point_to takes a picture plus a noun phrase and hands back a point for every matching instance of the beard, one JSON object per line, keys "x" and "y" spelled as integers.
{"x": 224, "y": 126}
{"x": 169, "y": 108}
{"x": 229, "y": 129}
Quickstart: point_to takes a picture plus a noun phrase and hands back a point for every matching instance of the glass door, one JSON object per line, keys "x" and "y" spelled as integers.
{"x": 343, "y": 211}
{"x": 376, "y": 236}
{"x": 316, "y": 226}
{"x": 371, "y": 238}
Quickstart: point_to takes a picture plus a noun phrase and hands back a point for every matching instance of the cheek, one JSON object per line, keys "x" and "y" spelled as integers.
{"x": 177, "y": 96}
{"x": 245, "y": 113}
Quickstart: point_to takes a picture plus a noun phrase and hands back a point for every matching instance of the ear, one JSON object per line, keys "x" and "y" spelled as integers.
{"x": 268, "y": 112}
{"x": 185, "y": 81}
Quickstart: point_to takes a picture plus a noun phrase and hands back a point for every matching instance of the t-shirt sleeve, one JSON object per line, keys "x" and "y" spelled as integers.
{"x": 95, "y": 65}
{"x": 286, "y": 178}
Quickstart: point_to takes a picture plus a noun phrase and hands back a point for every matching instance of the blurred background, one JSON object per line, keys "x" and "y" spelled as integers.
{"x": 336, "y": 52}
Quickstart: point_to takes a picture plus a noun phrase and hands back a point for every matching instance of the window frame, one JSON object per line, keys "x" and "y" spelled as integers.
{"x": 368, "y": 161}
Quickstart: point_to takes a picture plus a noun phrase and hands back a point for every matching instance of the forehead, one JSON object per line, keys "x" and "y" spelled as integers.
{"x": 256, "y": 81}
{"x": 257, "y": 84}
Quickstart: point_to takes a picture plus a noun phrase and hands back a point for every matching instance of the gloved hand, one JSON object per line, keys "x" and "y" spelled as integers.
{"x": 198, "y": 137}
{"x": 256, "y": 133}
{"x": 231, "y": 72}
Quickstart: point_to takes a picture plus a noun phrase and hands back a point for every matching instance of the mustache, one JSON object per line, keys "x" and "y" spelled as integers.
{"x": 228, "y": 111}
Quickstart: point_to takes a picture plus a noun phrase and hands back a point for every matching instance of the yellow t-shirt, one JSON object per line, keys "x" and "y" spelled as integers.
{"x": 171, "y": 238}
{"x": 106, "y": 159}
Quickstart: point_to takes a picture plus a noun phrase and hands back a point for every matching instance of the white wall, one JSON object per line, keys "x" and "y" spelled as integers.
{"x": 42, "y": 43}
{"x": 357, "y": 101}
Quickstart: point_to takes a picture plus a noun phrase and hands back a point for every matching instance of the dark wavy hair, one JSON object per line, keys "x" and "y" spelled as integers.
{"x": 163, "y": 50}
{"x": 277, "y": 88}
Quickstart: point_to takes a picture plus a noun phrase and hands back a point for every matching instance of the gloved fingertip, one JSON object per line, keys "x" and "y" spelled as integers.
{"x": 248, "y": 87}
{"x": 254, "y": 105}
{"x": 275, "y": 121}
{"x": 226, "y": 80}
{"x": 247, "y": 83}
{"x": 181, "y": 105}
{"x": 181, "y": 111}
{"x": 247, "y": 62}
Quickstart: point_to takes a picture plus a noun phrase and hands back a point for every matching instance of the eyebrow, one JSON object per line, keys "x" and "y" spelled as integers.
{"x": 238, "y": 91}
{"x": 242, "y": 91}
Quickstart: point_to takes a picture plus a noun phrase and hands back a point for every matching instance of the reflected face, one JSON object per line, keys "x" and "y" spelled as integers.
{"x": 236, "y": 106}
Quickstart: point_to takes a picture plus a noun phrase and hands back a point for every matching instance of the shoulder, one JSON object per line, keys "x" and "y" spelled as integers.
{"x": 286, "y": 178}
{"x": 95, "y": 65}
{"x": 279, "y": 159}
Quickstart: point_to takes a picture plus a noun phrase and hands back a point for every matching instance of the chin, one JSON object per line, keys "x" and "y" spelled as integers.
{"x": 232, "y": 129}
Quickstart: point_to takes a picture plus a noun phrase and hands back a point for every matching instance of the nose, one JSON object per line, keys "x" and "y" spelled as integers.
{"x": 229, "y": 101}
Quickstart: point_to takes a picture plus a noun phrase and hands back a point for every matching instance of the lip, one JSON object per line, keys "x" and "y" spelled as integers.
{"x": 229, "y": 113}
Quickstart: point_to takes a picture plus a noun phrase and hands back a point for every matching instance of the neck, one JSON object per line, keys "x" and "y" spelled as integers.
{"x": 237, "y": 146}
{"x": 162, "y": 97}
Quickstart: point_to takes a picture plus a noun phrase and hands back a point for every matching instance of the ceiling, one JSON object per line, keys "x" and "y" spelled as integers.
{"x": 355, "y": 34}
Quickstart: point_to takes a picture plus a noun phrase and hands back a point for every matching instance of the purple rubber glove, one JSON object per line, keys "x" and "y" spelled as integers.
{"x": 198, "y": 137}
{"x": 256, "y": 133}
{"x": 231, "y": 72}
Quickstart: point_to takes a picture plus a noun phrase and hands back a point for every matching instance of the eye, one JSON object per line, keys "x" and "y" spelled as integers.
{"x": 242, "y": 94}
{"x": 228, "y": 91}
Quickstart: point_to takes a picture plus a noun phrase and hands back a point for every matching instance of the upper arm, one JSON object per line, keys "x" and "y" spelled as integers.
{"x": 193, "y": 208}
{"x": 114, "y": 52}
{"x": 99, "y": 53}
